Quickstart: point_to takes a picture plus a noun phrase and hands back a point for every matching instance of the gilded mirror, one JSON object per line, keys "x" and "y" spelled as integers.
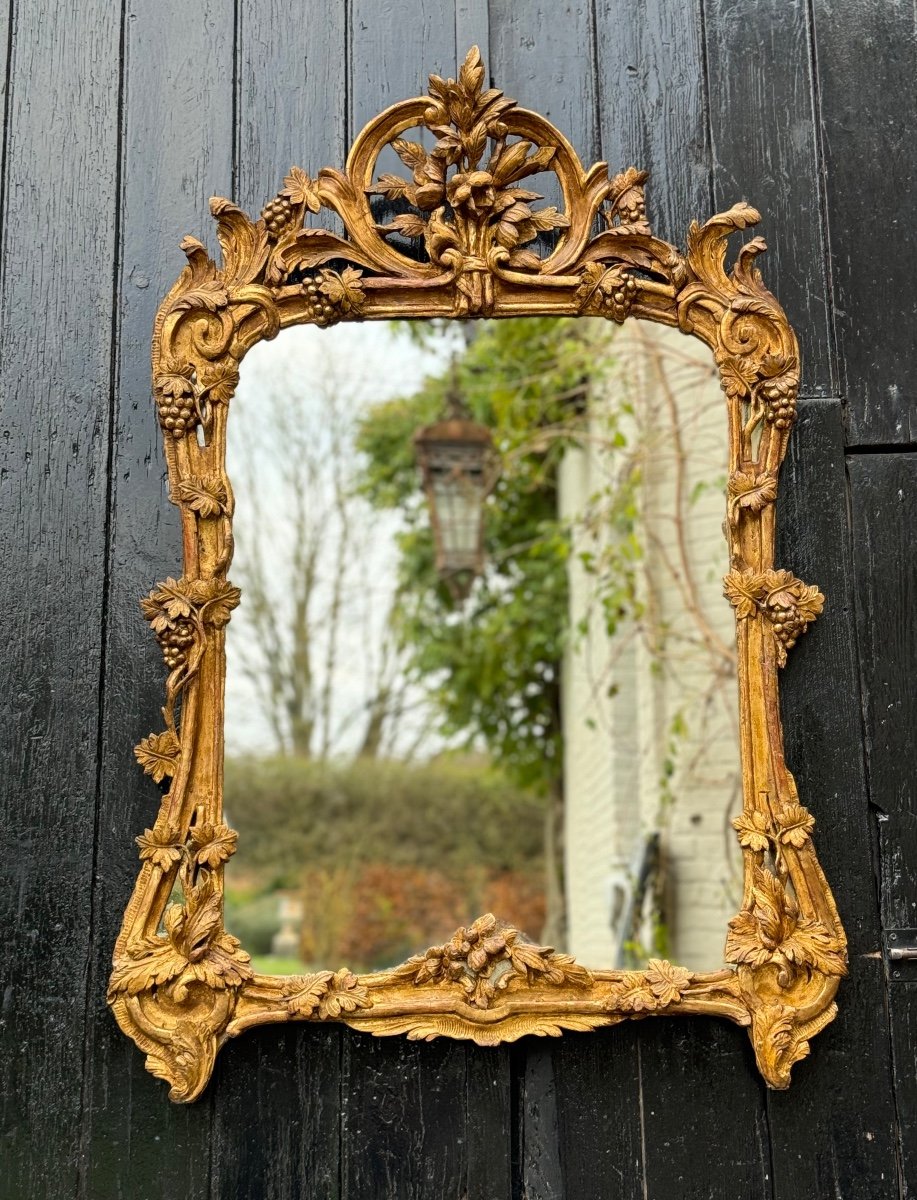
{"x": 484, "y": 727}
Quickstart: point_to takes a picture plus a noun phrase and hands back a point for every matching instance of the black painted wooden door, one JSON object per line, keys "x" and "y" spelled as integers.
{"x": 120, "y": 119}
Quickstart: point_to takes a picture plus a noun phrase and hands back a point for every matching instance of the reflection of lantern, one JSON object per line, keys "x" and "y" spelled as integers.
{"x": 457, "y": 460}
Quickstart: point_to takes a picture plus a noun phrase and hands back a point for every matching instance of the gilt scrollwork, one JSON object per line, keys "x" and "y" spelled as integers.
{"x": 463, "y": 231}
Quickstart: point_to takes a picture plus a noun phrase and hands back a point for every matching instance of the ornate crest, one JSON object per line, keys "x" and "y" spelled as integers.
{"x": 466, "y": 234}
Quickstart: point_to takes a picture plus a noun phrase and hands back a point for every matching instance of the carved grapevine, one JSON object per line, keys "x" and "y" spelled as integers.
{"x": 463, "y": 232}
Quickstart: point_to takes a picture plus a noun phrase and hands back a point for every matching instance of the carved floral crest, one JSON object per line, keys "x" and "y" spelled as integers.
{"x": 465, "y": 232}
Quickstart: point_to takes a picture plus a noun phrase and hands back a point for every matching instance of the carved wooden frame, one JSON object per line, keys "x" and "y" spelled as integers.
{"x": 181, "y": 985}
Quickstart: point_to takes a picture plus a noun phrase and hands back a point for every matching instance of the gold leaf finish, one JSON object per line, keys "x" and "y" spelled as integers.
{"x": 181, "y": 985}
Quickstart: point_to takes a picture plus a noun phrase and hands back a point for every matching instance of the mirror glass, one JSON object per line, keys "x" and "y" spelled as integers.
{"x": 505, "y": 684}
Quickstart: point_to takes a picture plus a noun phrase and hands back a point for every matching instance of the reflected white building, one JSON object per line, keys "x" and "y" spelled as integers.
{"x": 652, "y": 776}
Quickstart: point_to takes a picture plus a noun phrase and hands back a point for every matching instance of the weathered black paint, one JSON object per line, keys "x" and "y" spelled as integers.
{"x": 118, "y": 123}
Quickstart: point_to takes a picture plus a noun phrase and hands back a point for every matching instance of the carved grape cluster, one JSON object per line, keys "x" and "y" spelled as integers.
{"x": 632, "y": 209}
{"x": 278, "y": 215}
{"x": 607, "y": 291}
{"x": 617, "y": 304}
{"x": 781, "y": 411}
{"x": 788, "y": 624}
{"x": 321, "y": 309}
{"x": 177, "y": 415}
{"x": 175, "y": 641}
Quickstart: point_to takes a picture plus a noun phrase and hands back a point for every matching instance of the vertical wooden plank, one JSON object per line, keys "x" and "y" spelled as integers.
{"x": 579, "y": 1114}
{"x": 277, "y": 1097}
{"x": 652, "y": 107}
{"x": 393, "y": 47}
{"x": 653, "y": 112}
{"x": 866, "y": 51}
{"x": 542, "y": 56}
{"x": 404, "y": 1119}
{"x": 703, "y": 1113}
{"x": 292, "y": 94}
{"x": 177, "y": 151}
{"x": 55, "y": 365}
{"x": 488, "y": 1122}
{"x": 472, "y": 28}
{"x": 884, "y": 505}
{"x": 766, "y": 150}
{"x": 833, "y": 1132}
{"x": 404, "y": 1112}
{"x": 290, "y": 110}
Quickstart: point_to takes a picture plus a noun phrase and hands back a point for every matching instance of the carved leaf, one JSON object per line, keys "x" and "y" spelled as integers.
{"x": 633, "y": 994}
{"x": 345, "y": 994}
{"x": 156, "y": 964}
{"x": 158, "y": 754}
{"x": 166, "y": 603}
{"x": 162, "y": 847}
{"x": 394, "y": 187}
{"x": 209, "y": 296}
{"x": 667, "y": 982}
{"x": 412, "y": 154}
{"x": 205, "y": 495}
{"x": 174, "y": 383}
{"x": 300, "y": 189}
{"x": 753, "y": 831}
{"x": 737, "y": 376}
{"x": 515, "y": 162}
{"x": 549, "y": 218}
{"x": 213, "y": 844}
{"x": 220, "y": 381}
{"x": 753, "y": 492}
{"x": 244, "y": 244}
{"x": 309, "y": 991}
{"x": 743, "y": 589}
{"x": 796, "y": 824}
{"x": 214, "y": 598}
{"x": 408, "y": 224}
{"x": 344, "y": 289}
{"x": 329, "y": 994}
{"x": 525, "y": 260}
{"x": 812, "y": 945}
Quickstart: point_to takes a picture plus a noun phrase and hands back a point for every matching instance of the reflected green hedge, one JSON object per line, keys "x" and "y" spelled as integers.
{"x": 450, "y": 813}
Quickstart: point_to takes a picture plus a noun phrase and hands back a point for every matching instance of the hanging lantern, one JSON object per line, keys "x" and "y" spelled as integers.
{"x": 457, "y": 460}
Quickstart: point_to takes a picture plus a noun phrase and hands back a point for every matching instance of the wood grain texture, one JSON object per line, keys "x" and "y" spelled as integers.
{"x": 177, "y": 151}
{"x": 55, "y": 354}
{"x": 276, "y": 1128}
{"x": 902, "y": 1005}
{"x": 884, "y": 507}
{"x": 652, "y": 105}
{"x": 865, "y": 49}
{"x": 291, "y": 105}
{"x": 835, "y": 1133}
{"x": 290, "y": 69}
{"x": 404, "y": 1119}
{"x": 766, "y": 148}
{"x": 568, "y": 1146}
{"x": 703, "y": 1113}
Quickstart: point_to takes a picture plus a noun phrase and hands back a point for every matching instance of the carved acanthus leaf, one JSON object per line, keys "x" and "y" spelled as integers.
{"x": 772, "y": 931}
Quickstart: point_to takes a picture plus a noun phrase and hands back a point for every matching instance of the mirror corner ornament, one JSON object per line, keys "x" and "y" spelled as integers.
{"x": 181, "y": 985}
